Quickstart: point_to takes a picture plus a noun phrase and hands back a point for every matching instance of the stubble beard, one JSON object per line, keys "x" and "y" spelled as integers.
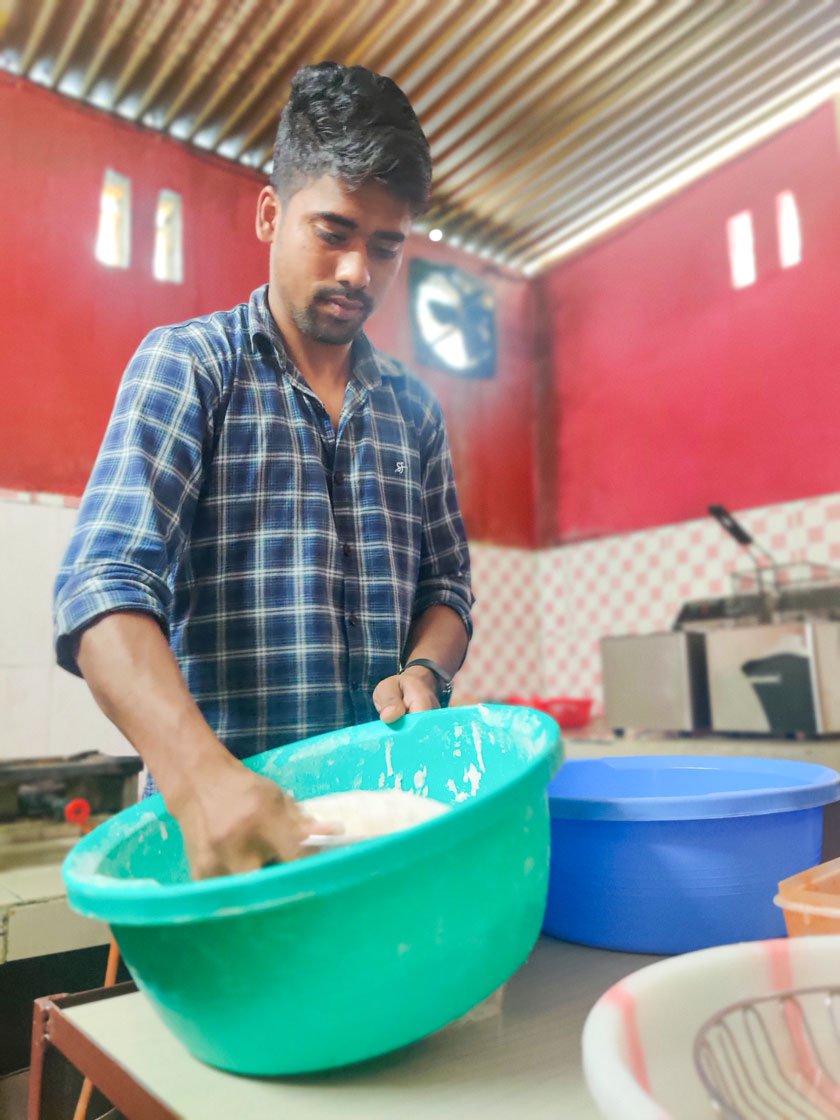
{"x": 317, "y": 324}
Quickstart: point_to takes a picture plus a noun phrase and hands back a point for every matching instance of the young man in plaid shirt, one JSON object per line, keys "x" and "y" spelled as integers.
{"x": 270, "y": 544}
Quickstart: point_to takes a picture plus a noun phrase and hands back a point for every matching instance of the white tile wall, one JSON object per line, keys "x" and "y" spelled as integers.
{"x": 538, "y": 618}
{"x": 628, "y": 584}
{"x": 504, "y": 658}
{"x": 43, "y": 710}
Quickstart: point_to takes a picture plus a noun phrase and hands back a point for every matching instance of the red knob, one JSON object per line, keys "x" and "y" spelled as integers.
{"x": 77, "y": 811}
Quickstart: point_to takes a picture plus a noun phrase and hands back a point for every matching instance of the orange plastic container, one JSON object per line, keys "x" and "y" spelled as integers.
{"x": 811, "y": 900}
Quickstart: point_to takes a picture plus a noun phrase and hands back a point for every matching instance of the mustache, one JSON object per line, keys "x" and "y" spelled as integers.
{"x": 324, "y": 295}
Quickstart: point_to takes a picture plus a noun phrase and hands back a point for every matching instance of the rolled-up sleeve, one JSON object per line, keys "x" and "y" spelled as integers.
{"x": 139, "y": 503}
{"x": 444, "y": 576}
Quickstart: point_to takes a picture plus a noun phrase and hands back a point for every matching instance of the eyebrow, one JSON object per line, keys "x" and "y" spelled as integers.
{"x": 349, "y": 224}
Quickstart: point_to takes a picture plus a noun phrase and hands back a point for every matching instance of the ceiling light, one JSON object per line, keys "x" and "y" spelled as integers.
{"x": 435, "y": 234}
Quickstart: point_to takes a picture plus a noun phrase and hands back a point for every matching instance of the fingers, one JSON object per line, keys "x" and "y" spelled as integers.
{"x": 388, "y": 699}
{"x": 418, "y": 694}
{"x": 256, "y": 824}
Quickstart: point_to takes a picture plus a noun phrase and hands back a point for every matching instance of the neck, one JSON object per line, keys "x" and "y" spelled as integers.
{"x": 319, "y": 362}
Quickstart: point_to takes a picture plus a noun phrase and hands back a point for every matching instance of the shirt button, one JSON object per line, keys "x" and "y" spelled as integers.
{"x": 353, "y": 619}
{"x": 347, "y": 549}
{"x": 338, "y": 477}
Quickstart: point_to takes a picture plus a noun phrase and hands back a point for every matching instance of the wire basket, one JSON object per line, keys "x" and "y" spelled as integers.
{"x": 775, "y": 1058}
{"x": 778, "y": 577}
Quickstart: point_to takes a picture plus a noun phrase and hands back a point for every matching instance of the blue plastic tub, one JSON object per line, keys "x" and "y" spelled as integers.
{"x": 671, "y": 854}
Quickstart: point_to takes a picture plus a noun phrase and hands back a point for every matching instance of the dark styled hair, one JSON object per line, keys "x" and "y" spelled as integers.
{"x": 355, "y": 126}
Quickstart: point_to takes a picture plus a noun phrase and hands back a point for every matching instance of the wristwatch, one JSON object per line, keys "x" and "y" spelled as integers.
{"x": 444, "y": 678}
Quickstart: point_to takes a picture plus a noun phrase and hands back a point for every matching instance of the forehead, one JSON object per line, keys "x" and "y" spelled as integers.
{"x": 371, "y": 207}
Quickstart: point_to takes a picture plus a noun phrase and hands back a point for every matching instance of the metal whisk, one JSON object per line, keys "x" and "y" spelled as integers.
{"x": 775, "y": 1058}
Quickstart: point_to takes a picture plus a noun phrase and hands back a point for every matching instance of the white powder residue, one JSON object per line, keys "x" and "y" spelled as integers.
{"x": 473, "y": 776}
{"x": 477, "y": 741}
{"x": 459, "y": 794}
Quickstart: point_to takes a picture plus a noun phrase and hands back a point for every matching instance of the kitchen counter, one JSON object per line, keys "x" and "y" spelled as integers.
{"x": 34, "y": 916}
{"x": 517, "y": 1054}
{"x": 597, "y": 741}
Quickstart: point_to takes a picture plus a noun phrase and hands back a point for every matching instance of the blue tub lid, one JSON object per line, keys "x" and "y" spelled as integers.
{"x": 687, "y": 787}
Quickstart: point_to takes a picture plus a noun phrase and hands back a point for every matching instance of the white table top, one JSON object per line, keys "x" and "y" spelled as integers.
{"x": 516, "y": 1055}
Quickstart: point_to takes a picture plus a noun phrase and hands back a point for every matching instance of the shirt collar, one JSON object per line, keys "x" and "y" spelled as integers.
{"x": 364, "y": 361}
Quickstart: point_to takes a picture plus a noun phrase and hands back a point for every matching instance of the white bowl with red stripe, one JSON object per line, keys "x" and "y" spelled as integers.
{"x": 638, "y": 1040}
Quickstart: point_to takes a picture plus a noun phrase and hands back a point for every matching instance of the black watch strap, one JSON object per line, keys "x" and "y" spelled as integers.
{"x": 443, "y": 677}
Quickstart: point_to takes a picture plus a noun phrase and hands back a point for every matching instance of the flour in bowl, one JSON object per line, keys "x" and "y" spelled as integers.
{"x": 363, "y": 814}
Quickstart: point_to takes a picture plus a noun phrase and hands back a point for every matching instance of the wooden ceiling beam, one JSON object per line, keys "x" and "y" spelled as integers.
{"x": 206, "y": 16}
{"x": 84, "y": 15}
{"x": 628, "y": 84}
{"x": 742, "y": 133}
{"x": 603, "y": 63}
{"x": 441, "y": 51}
{"x": 419, "y": 23}
{"x": 227, "y": 42}
{"x": 258, "y": 51}
{"x": 610, "y": 110}
{"x": 707, "y": 103}
{"x": 510, "y": 50}
{"x": 117, "y": 27}
{"x": 498, "y": 24}
{"x": 159, "y": 19}
{"x": 610, "y": 190}
{"x": 42, "y": 23}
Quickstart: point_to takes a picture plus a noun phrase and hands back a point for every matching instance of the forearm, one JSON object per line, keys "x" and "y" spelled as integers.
{"x": 439, "y": 634}
{"x": 135, "y": 679}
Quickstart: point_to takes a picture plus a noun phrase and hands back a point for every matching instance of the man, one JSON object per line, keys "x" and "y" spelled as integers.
{"x": 270, "y": 538}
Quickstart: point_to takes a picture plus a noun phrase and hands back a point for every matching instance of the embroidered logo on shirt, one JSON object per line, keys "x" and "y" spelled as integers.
{"x": 400, "y": 467}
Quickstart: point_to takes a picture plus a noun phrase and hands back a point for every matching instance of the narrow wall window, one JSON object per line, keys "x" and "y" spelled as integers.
{"x": 788, "y": 229}
{"x": 169, "y": 254}
{"x": 739, "y": 230}
{"x": 113, "y": 238}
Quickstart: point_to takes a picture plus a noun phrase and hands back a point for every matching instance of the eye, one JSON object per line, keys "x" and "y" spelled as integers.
{"x": 385, "y": 252}
{"x": 328, "y": 236}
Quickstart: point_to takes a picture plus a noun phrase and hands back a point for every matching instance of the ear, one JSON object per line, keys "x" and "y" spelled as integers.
{"x": 269, "y": 214}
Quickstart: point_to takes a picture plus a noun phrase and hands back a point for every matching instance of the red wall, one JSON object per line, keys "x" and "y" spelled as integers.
{"x": 491, "y": 424}
{"x": 673, "y": 390}
{"x": 70, "y": 324}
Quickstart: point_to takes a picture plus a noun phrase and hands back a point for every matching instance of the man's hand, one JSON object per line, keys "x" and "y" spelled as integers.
{"x": 233, "y": 820}
{"x": 414, "y": 690}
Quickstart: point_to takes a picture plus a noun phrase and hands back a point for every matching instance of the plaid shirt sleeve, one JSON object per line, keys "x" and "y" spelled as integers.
{"x": 444, "y": 576}
{"x": 139, "y": 503}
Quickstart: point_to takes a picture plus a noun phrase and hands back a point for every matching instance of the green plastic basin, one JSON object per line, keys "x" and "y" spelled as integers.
{"x": 359, "y": 950}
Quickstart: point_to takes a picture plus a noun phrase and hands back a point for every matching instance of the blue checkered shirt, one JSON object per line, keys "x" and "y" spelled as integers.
{"x": 285, "y": 561}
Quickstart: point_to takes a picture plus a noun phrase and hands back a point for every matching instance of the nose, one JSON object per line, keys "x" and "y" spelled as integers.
{"x": 353, "y": 270}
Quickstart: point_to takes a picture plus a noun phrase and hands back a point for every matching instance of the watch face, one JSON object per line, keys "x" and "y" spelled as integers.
{"x": 453, "y": 319}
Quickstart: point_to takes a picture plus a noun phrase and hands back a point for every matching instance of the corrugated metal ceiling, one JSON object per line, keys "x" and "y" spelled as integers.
{"x": 550, "y": 121}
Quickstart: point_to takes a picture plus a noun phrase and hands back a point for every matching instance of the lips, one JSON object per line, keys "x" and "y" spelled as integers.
{"x": 345, "y": 308}
{"x": 342, "y": 307}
